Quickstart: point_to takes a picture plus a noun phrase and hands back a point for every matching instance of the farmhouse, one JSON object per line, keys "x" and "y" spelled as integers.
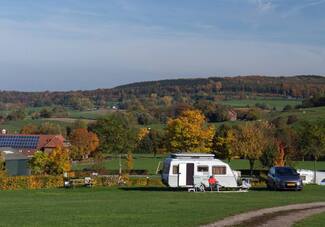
{"x": 17, "y": 149}
{"x": 29, "y": 144}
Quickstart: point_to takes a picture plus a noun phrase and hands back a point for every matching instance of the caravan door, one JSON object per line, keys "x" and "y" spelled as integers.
{"x": 185, "y": 174}
{"x": 182, "y": 174}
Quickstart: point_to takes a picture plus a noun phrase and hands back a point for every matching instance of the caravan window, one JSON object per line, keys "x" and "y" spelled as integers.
{"x": 219, "y": 170}
{"x": 175, "y": 169}
{"x": 203, "y": 169}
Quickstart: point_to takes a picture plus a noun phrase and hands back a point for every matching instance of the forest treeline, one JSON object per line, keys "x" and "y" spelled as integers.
{"x": 173, "y": 91}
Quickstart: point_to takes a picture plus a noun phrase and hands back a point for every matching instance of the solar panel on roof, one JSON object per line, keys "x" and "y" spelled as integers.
{"x": 28, "y": 142}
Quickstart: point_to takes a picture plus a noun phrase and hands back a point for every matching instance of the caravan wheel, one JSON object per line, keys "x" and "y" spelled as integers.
{"x": 202, "y": 188}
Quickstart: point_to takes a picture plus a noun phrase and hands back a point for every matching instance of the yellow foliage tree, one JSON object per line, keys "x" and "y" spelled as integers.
{"x": 189, "y": 133}
{"x": 252, "y": 141}
{"x": 59, "y": 161}
{"x": 83, "y": 143}
{"x": 142, "y": 133}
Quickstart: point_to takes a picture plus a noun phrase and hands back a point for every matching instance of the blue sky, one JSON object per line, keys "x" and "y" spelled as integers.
{"x": 86, "y": 44}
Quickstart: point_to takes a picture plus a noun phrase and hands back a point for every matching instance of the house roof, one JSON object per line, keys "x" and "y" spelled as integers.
{"x": 31, "y": 142}
{"x": 51, "y": 141}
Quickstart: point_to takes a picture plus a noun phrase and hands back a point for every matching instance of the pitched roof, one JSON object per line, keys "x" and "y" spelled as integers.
{"x": 51, "y": 141}
{"x": 31, "y": 142}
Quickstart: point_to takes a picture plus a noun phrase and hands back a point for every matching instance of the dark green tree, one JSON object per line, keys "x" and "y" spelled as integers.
{"x": 312, "y": 141}
{"x": 116, "y": 133}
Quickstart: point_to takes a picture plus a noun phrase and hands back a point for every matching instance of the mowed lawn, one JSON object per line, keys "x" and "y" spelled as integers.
{"x": 137, "y": 206}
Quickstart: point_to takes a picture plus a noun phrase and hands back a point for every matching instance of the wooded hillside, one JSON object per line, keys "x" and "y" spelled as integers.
{"x": 182, "y": 90}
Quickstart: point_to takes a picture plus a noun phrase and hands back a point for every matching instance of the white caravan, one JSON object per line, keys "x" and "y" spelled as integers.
{"x": 307, "y": 176}
{"x": 188, "y": 170}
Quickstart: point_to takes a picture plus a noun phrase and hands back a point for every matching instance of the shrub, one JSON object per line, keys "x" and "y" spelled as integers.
{"x": 107, "y": 181}
{"x": 30, "y": 182}
{"x": 145, "y": 181}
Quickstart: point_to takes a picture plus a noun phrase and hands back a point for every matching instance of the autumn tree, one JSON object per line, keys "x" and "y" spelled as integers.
{"x": 142, "y": 133}
{"x": 45, "y": 113}
{"x": 151, "y": 141}
{"x": 39, "y": 163}
{"x": 251, "y": 142}
{"x": 49, "y": 128}
{"x": 285, "y": 140}
{"x": 189, "y": 133}
{"x": 29, "y": 129}
{"x": 59, "y": 161}
{"x": 53, "y": 163}
{"x": 223, "y": 142}
{"x": 83, "y": 143}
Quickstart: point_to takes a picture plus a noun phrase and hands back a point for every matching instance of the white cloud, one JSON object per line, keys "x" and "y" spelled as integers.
{"x": 264, "y": 5}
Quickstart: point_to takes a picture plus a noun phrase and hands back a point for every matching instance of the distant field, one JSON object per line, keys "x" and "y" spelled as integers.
{"x": 137, "y": 206}
{"x": 92, "y": 115}
{"x": 15, "y": 126}
{"x": 308, "y": 114}
{"x": 278, "y": 103}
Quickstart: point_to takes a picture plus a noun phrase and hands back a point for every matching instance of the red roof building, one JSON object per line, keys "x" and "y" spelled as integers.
{"x": 29, "y": 144}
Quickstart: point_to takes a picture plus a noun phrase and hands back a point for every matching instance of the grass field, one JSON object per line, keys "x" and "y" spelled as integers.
{"x": 314, "y": 221}
{"x": 150, "y": 163}
{"x": 92, "y": 115}
{"x": 15, "y": 126}
{"x": 278, "y": 103}
{"x": 136, "y": 206}
{"x": 308, "y": 114}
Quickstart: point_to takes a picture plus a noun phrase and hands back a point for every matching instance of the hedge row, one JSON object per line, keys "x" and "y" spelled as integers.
{"x": 30, "y": 182}
{"x": 42, "y": 182}
{"x": 144, "y": 182}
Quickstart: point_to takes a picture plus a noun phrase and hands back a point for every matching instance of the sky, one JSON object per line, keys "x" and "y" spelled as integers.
{"x": 88, "y": 44}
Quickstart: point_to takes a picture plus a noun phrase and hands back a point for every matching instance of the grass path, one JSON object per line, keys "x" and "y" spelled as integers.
{"x": 284, "y": 216}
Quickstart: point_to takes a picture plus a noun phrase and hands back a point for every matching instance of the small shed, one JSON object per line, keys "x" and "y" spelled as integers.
{"x": 16, "y": 163}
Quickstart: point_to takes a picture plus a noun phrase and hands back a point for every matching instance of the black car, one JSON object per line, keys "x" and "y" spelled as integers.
{"x": 285, "y": 178}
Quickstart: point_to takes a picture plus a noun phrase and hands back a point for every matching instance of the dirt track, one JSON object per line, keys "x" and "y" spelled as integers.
{"x": 277, "y": 216}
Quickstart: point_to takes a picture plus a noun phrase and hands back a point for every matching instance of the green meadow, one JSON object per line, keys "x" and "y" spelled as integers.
{"x": 137, "y": 206}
